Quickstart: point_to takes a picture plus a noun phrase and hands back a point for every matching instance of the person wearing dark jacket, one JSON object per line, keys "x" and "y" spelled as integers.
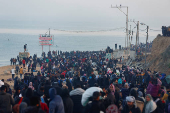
{"x": 34, "y": 106}
{"x": 58, "y": 89}
{"x": 160, "y": 107}
{"x": 134, "y": 93}
{"x": 68, "y": 83}
{"x": 5, "y": 100}
{"x": 130, "y": 106}
{"x": 125, "y": 91}
{"x": 28, "y": 95}
{"x": 17, "y": 92}
{"x": 96, "y": 106}
{"x": 78, "y": 82}
{"x": 76, "y": 96}
{"x": 67, "y": 101}
{"x": 56, "y": 104}
{"x": 46, "y": 91}
{"x": 110, "y": 99}
{"x": 92, "y": 81}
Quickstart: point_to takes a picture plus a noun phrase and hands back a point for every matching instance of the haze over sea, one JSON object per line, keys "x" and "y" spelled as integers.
{"x": 28, "y": 33}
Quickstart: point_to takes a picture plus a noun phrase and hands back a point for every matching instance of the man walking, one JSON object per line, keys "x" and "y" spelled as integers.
{"x": 21, "y": 72}
{"x": 25, "y": 47}
{"x": 23, "y": 62}
{"x": 11, "y": 61}
{"x": 13, "y": 73}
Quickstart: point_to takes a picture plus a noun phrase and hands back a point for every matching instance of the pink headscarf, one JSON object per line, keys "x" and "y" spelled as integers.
{"x": 30, "y": 86}
{"x": 113, "y": 88}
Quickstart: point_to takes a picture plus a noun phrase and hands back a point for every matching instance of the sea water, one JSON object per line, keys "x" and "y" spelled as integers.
{"x": 12, "y": 41}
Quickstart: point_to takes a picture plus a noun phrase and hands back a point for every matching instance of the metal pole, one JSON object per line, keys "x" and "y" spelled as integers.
{"x": 146, "y": 45}
{"x": 127, "y": 27}
{"x": 49, "y": 31}
{"x": 138, "y": 33}
{"x": 126, "y": 41}
{"x": 127, "y": 32}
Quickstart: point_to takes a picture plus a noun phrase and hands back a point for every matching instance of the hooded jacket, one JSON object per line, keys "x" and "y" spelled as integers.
{"x": 56, "y": 103}
{"x": 5, "y": 102}
{"x": 22, "y": 107}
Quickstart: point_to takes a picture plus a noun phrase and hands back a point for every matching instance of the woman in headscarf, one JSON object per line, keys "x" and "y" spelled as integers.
{"x": 112, "y": 89}
{"x": 150, "y": 105}
{"x": 30, "y": 86}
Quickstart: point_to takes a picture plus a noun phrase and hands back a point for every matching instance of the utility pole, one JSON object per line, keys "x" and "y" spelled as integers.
{"x": 127, "y": 26}
{"x": 146, "y": 45}
{"x": 129, "y": 39}
{"x": 138, "y": 32}
{"x": 146, "y": 41}
{"x": 119, "y": 7}
{"x": 137, "y": 37}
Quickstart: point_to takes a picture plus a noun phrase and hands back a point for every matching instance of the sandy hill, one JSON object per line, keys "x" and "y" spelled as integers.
{"x": 159, "y": 59}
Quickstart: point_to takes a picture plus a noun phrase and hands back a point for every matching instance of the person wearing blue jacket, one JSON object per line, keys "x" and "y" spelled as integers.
{"x": 56, "y": 104}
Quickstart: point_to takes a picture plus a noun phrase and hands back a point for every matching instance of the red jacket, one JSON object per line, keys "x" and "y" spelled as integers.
{"x": 23, "y": 61}
{"x": 44, "y": 107}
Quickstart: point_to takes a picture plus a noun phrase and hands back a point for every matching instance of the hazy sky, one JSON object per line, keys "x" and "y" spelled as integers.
{"x": 84, "y": 13}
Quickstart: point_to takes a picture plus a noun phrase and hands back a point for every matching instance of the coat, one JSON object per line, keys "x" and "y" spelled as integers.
{"x": 68, "y": 104}
{"x": 56, "y": 104}
{"x": 21, "y": 71}
{"x": 133, "y": 109}
{"x": 152, "y": 89}
{"x": 125, "y": 93}
{"x": 169, "y": 108}
{"x": 5, "y": 102}
{"x": 76, "y": 96}
{"x": 33, "y": 109}
{"x": 160, "y": 106}
{"x": 94, "y": 107}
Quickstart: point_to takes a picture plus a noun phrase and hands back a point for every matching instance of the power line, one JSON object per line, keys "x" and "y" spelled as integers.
{"x": 106, "y": 30}
{"x": 151, "y": 30}
{"x": 142, "y": 29}
{"x": 155, "y": 30}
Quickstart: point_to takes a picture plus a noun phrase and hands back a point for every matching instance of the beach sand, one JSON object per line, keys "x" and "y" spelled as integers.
{"x": 5, "y": 74}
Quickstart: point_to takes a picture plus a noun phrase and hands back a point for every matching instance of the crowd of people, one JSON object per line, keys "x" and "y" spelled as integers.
{"x": 84, "y": 82}
{"x": 142, "y": 47}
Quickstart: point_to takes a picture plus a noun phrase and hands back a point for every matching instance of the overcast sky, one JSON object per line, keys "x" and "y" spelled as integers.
{"x": 154, "y": 13}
